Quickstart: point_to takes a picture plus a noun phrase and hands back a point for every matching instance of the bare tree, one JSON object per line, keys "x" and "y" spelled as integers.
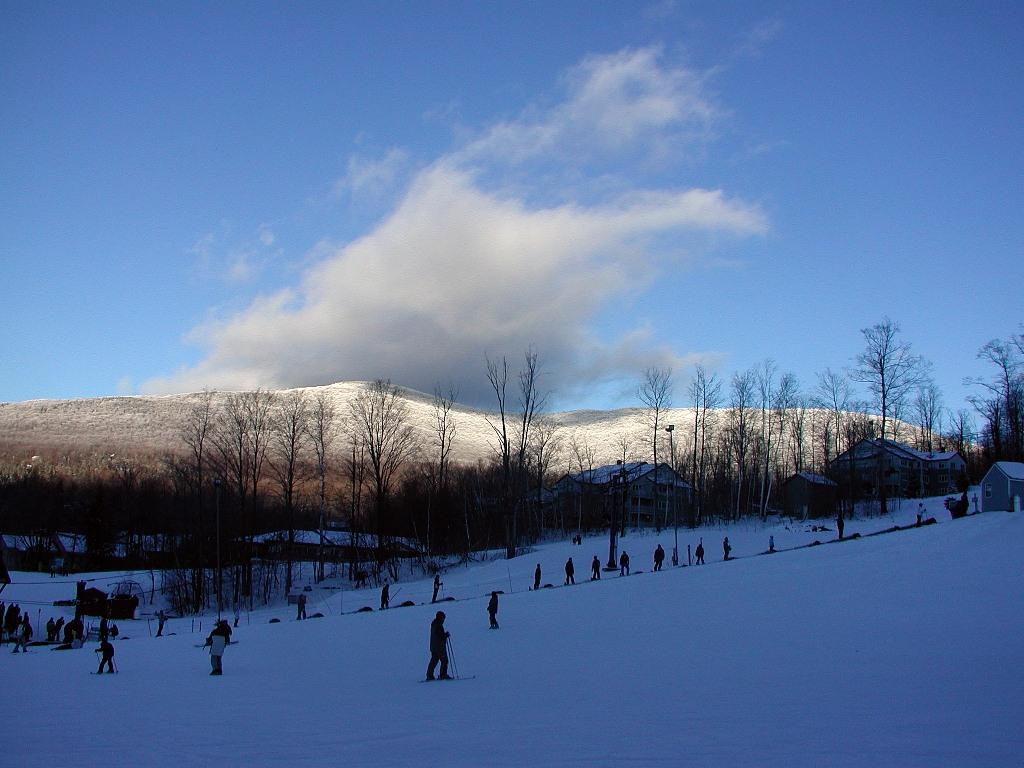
{"x": 545, "y": 446}
{"x": 891, "y": 371}
{"x": 706, "y": 393}
{"x": 381, "y": 418}
{"x": 258, "y": 409}
{"x": 1003, "y": 406}
{"x": 513, "y": 439}
{"x": 322, "y": 428}
{"x": 196, "y": 433}
{"x": 231, "y": 436}
{"x": 833, "y": 394}
{"x": 655, "y": 394}
{"x": 444, "y": 436}
{"x": 741, "y": 398}
{"x": 290, "y": 421}
{"x": 582, "y": 451}
{"x": 783, "y": 403}
{"x": 765, "y": 383}
{"x": 928, "y": 410}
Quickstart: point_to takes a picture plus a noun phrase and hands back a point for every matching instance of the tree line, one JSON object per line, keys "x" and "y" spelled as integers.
{"x": 253, "y": 462}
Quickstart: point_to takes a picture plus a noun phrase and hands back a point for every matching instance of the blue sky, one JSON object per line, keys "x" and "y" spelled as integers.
{"x": 241, "y": 195}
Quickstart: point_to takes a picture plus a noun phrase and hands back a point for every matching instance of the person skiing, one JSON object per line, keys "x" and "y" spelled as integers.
{"x": 58, "y": 627}
{"x": 570, "y": 571}
{"x": 437, "y": 587}
{"x": 659, "y": 558}
{"x": 536, "y": 578}
{"x": 161, "y": 618}
{"x": 595, "y": 569}
{"x": 623, "y": 564}
{"x": 699, "y": 552}
{"x": 106, "y": 651}
{"x": 840, "y": 524}
{"x": 920, "y": 513}
{"x": 22, "y": 634}
{"x": 438, "y": 647}
{"x": 301, "y": 614}
{"x": 771, "y": 544}
{"x": 104, "y": 630}
{"x": 726, "y": 548}
{"x": 385, "y": 596}
{"x": 218, "y": 641}
{"x": 492, "y": 610}
{"x": 50, "y": 629}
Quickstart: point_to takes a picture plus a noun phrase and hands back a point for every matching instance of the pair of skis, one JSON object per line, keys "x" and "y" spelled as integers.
{"x": 446, "y": 679}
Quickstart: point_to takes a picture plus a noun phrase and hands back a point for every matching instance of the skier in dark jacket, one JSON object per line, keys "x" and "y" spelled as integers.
{"x": 595, "y": 569}
{"x": 106, "y": 651}
{"x": 301, "y": 614}
{"x": 57, "y": 627}
{"x": 570, "y": 571}
{"x": 104, "y": 630}
{"x": 623, "y": 564}
{"x": 50, "y": 629}
{"x": 840, "y": 524}
{"x": 699, "y": 552}
{"x": 438, "y": 647}
{"x": 217, "y": 642}
{"x": 659, "y": 558}
{"x": 536, "y": 578}
{"x": 437, "y": 587}
{"x": 726, "y": 548}
{"x": 492, "y": 610}
{"x": 385, "y": 596}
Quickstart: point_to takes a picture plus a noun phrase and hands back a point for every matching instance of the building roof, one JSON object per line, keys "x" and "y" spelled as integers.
{"x": 810, "y": 477}
{"x": 903, "y": 450}
{"x": 632, "y": 471}
{"x": 332, "y": 538}
{"x": 1012, "y": 469}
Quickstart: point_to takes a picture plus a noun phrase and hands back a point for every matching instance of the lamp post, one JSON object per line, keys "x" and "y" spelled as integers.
{"x": 216, "y": 491}
{"x": 675, "y": 524}
{"x": 613, "y": 528}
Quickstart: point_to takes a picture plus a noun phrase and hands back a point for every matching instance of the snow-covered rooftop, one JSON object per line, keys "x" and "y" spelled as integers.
{"x": 1012, "y": 469}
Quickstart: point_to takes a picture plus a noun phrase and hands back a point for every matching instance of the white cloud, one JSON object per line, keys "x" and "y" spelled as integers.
{"x": 466, "y": 266}
{"x": 613, "y": 103}
{"x": 369, "y": 179}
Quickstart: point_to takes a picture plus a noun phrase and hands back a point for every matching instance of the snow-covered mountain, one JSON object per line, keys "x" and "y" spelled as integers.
{"x": 151, "y": 425}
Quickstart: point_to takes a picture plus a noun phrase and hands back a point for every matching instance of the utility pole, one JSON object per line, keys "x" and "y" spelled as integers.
{"x": 613, "y": 528}
{"x": 675, "y": 523}
{"x": 216, "y": 488}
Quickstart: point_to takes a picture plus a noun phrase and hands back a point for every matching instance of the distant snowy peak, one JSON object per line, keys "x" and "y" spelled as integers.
{"x": 151, "y": 425}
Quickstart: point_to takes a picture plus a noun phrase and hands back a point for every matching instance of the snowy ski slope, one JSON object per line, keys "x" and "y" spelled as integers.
{"x": 900, "y": 649}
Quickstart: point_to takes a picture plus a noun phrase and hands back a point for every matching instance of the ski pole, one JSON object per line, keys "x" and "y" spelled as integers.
{"x": 451, "y": 656}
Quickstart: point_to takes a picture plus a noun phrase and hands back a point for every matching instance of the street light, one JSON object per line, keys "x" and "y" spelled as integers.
{"x": 613, "y": 528}
{"x": 216, "y": 490}
{"x": 675, "y": 524}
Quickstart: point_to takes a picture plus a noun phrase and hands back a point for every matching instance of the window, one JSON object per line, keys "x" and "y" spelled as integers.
{"x": 988, "y": 490}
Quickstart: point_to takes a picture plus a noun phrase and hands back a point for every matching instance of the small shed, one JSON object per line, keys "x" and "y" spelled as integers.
{"x": 1003, "y": 487}
{"x": 809, "y": 495}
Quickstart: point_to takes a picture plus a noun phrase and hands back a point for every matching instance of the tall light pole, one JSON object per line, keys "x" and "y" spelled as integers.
{"x": 675, "y": 524}
{"x": 613, "y": 528}
{"x": 216, "y": 490}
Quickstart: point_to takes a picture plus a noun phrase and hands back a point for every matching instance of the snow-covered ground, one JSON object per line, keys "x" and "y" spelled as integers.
{"x": 894, "y": 650}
